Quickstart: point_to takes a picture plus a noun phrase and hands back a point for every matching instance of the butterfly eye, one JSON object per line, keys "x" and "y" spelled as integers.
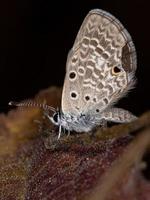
{"x": 55, "y": 117}
{"x": 116, "y": 70}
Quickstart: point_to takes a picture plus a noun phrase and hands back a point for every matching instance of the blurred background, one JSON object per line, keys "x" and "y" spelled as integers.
{"x": 35, "y": 37}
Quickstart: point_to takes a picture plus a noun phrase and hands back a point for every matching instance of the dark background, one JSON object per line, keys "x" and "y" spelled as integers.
{"x": 35, "y": 37}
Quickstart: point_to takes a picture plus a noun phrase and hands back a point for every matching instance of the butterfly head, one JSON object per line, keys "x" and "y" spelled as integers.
{"x": 56, "y": 118}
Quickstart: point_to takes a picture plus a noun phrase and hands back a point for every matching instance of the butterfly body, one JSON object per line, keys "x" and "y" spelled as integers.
{"x": 79, "y": 123}
{"x": 88, "y": 122}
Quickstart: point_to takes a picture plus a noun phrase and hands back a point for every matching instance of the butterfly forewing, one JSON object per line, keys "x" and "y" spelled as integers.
{"x": 100, "y": 66}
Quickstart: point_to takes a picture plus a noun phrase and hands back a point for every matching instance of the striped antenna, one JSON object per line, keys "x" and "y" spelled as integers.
{"x": 32, "y": 104}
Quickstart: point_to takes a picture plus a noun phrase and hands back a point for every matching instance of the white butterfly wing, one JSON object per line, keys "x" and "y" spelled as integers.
{"x": 100, "y": 66}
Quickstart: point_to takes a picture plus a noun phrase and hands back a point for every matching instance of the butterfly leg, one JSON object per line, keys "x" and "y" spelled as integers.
{"x": 60, "y": 129}
{"x": 118, "y": 115}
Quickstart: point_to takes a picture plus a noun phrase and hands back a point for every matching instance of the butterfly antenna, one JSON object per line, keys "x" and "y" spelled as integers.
{"x": 32, "y": 104}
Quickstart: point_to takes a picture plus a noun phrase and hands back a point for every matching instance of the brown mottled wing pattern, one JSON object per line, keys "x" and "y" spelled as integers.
{"x": 92, "y": 82}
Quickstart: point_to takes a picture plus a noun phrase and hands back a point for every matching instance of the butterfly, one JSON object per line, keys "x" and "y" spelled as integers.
{"x": 100, "y": 70}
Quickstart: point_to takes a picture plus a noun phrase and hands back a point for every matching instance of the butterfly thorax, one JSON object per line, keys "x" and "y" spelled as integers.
{"x": 78, "y": 123}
